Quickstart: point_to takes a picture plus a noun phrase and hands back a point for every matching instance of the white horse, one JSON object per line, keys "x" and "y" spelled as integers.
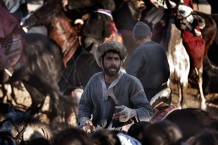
{"x": 178, "y": 60}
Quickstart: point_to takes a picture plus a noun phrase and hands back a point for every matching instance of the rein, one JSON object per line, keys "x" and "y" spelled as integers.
{"x": 19, "y": 136}
{"x": 74, "y": 70}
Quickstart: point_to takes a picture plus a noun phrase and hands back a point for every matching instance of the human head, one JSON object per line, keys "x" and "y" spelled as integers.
{"x": 38, "y": 141}
{"x": 163, "y": 132}
{"x": 136, "y": 129}
{"x": 105, "y": 137}
{"x": 141, "y": 31}
{"x": 111, "y": 46}
{"x": 72, "y": 136}
{"x": 206, "y": 137}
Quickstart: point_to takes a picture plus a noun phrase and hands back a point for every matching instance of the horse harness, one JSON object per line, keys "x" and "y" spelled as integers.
{"x": 19, "y": 136}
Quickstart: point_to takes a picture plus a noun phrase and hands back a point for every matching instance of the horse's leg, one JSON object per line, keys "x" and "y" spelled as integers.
{"x": 13, "y": 95}
{"x": 182, "y": 67}
{"x": 179, "y": 102}
{"x": 184, "y": 99}
{"x": 200, "y": 83}
{"x": 37, "y": 98}
{"x": 4, "y": 92}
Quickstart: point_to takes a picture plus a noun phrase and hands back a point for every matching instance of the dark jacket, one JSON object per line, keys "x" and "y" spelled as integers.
{"x": 150, "y": 65}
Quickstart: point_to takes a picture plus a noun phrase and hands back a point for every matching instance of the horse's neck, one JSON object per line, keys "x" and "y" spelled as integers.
{"x": 63, "y": 33}
{"x": 154, "y": 15}
{"x": 136, "y": 14}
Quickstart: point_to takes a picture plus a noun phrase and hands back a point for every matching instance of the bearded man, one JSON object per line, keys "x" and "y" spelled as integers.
{"x": 111, "y": 98}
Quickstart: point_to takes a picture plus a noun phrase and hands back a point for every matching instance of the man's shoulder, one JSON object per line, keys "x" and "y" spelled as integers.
{"x": 127, "y": 76}
{"x": 152, "y": 43}
{"x": 131, "y": 80}
{"x": 95, "y": 76}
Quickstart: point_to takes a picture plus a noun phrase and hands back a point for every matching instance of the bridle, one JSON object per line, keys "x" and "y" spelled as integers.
{"x": 19, "y": 136}
{"x": 181, "y": 21}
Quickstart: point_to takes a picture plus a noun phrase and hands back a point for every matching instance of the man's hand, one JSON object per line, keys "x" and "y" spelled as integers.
{"x": 88, "y": 127}
{"x": 124, "y": 114}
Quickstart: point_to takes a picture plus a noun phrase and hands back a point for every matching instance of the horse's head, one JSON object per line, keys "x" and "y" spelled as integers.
{"x": 42, "y": 15}
{"x": 137, "y": 5}
{"x": 185, "y": 17}
{"x": 90, "y": 4}
{"x": 78, "y": 5}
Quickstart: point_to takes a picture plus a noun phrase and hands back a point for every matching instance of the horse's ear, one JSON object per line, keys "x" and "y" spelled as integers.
{"x": 170, "y": 4}
{"x": 89, "y": 48}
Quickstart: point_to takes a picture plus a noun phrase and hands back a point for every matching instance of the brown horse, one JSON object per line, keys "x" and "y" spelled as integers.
{"x": 193, "y": 121}
{"x": 52, "y": 15}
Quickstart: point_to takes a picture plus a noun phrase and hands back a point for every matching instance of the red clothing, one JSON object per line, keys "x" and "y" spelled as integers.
{"x": 185, "y": 2}
{"x": 7, "y": 21}
{"x": 188, "y": 3}
{"x": 195, "y": 47}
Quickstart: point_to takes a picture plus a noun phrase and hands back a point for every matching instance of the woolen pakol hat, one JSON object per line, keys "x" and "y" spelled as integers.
{"x": 141, "y": 30}
{"x": 108, "y": 46}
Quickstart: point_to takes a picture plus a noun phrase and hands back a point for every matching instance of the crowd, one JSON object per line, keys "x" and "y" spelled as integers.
{"x": 141, "y": 133}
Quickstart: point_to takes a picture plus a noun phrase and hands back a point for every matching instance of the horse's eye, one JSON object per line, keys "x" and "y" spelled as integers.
{"x": 182, "y": 12}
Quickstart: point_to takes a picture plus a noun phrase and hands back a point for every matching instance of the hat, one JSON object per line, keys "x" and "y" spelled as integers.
{"x": 141, "y": 30}
{"x": 110, "y": 46}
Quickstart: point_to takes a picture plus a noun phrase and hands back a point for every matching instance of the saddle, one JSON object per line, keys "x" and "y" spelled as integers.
{"x": 161, "y": 104}
{"x": 162, "y": 112}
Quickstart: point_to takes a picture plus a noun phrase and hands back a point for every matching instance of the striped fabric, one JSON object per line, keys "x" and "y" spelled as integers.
{"x": 12, "y": 48}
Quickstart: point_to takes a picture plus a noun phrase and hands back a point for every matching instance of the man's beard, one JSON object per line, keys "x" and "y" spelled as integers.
{"x": 111, "y": 71}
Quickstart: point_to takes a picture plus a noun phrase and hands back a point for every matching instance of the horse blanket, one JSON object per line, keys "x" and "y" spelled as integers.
{"x": 195, "y": 47}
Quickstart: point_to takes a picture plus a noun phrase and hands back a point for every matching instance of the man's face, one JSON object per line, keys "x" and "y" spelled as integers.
{"x": 111, "y": 64}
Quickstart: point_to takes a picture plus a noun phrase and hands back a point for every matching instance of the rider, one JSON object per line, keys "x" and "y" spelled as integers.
{"x": 10, "y": 40}
{"x": 112, "y": 89}
{"x": 190, "y": 24}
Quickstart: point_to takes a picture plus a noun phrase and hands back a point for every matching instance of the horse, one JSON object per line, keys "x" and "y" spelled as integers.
{"x": 192, "y": 121}
{"x": 208, "y": 35}
{"x": 98, "y": 25}
{"x": 24, "y": 126}
{"x": 39, "y": 69}
{"x": 178, "y": 57}
{"x": 60, "y": 28}
{"x": 81, "y": 66}
{"x": 78, "y": 71}
{"x": 126, "y": 15}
